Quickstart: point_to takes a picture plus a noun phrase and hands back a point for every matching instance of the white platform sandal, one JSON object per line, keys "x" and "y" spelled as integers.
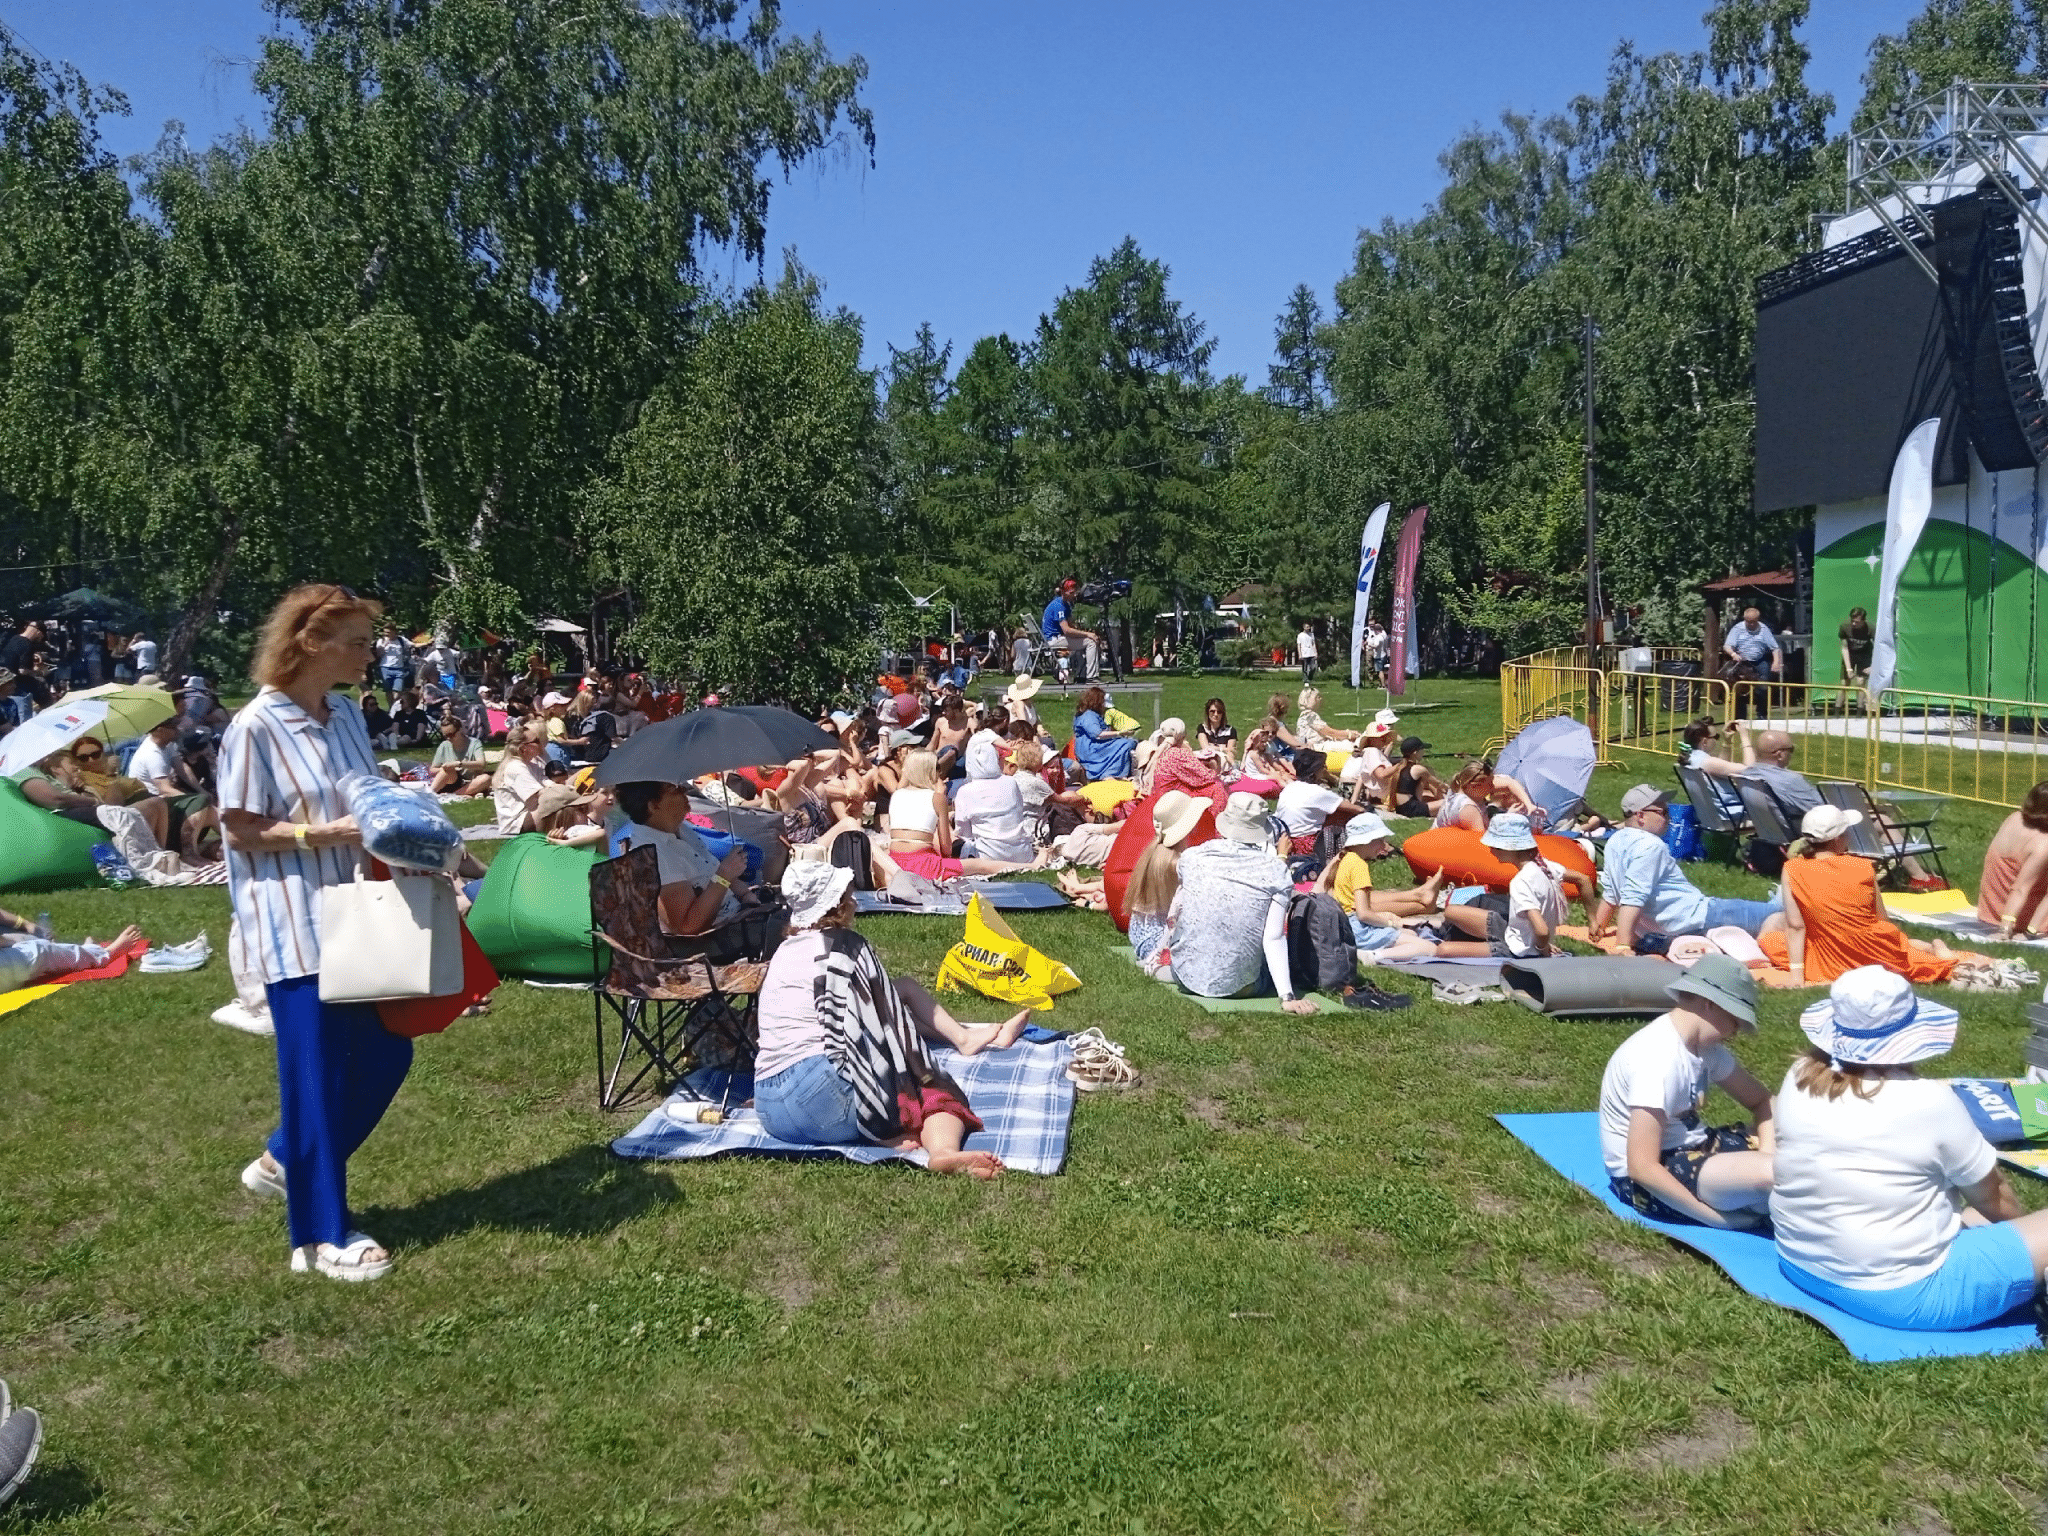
{"x": 346, "y": 1261}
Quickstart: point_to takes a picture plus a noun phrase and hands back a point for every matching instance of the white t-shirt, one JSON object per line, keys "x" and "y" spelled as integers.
{"x": 989, "y": 815}
{"x": 152, "y": 762}
{"x": 1305, "y": 645}
{"x": 1862, "y": 1193}
{"x": 143, "y": 654}
{"x": 683, "y": 858}
{"x": 1654, "y": 1069}
{"x": 512, "y": 793}
{"x": 788, "y": 1009}
{"x": 1303, "y": 808}
{"x": 1538, "y": 886}
{"x": 1363, "y": 762}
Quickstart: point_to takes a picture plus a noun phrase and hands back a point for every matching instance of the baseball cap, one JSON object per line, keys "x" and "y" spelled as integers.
{"x": 1722, "y": 980}
{"x": 1413, "y": 744}
{"x": 1825, "y": 823}
{"x": 1642, "y": 797}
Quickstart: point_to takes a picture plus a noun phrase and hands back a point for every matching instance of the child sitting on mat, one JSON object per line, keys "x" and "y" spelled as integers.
{"x": 1539, "y": 898}
{"x": 1870, "y": 1163}
{"x": 1376, "y": 916}
{"x": 1660, "y": 1158}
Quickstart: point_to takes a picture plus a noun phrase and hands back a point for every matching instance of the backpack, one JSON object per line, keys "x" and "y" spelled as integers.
{"x": 1682, "y": 836}
{"x": 1319, "y": 948}
{"x": 851, "y": 850}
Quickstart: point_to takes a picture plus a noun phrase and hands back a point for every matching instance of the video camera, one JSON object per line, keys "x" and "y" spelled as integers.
{"x": 1104, "y": 590}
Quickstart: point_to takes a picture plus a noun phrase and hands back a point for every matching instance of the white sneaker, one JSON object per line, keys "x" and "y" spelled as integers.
{"x": 237, "y": 1016}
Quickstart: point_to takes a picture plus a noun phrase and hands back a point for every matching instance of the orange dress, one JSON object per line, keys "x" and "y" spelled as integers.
{"x": 1837, "y": 896}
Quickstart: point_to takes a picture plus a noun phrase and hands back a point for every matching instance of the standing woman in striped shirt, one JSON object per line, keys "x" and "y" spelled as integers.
{"x": 289, "y": 836}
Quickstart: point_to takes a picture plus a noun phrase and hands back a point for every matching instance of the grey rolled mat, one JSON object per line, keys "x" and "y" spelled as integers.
{"x": 1591, "y": 985}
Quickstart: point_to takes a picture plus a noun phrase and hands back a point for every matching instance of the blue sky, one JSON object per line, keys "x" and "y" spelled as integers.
{"x": 1245, "y": 147}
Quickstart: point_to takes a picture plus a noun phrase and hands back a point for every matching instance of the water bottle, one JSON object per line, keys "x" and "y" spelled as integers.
{"x": 112, "y": 867}
{"x": 43, "y": 925}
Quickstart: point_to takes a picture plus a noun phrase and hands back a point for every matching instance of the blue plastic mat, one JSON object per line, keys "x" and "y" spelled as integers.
{"x": 1570, "y": 1143}
{"x": 1023, "y": 1095}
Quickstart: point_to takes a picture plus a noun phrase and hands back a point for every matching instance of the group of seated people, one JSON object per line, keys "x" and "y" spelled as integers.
{"x": 1883, "y": 1197}
{"x": 167, "y": 783}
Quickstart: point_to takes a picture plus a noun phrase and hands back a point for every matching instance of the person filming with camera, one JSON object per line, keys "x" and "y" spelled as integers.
{"x": 1060, "y": 633}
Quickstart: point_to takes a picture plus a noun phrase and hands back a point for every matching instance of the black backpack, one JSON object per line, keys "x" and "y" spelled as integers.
{"x": 851, "y": 850}
{"x": 1319, "y": 948}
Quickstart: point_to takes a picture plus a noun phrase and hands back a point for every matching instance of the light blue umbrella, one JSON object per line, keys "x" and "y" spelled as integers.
{"x": 1553, "y": 760}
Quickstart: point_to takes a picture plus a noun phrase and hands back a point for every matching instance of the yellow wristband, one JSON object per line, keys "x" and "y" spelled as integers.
{"x": 299, "y": 834}
{"x": 721, "y": 880}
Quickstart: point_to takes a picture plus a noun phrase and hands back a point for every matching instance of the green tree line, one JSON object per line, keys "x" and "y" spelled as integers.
{"x": 443, "y": 329}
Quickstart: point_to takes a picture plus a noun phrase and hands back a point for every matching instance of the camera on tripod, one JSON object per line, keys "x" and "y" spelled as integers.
{"x": 1104, "y": 590}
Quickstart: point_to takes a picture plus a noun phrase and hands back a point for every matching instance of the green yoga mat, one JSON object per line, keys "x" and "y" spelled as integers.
{"x": 1228, "y": 1004}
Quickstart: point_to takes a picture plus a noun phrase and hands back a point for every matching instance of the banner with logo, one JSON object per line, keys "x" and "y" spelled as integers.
{"x": 1368, "y": 558}
{"x": 1406, "y": 660}
{"x": 1905, "y": 516}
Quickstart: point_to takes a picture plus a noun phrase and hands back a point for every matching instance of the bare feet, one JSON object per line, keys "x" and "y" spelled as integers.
{"x": 993, "y": 1037}
{"x": 128, "y": 938}
{"x": 977, "y": 1165}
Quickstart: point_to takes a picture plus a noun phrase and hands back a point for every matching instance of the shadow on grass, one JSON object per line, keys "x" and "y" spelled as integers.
{"x": 54, "y": 1491}
{"x": 582, "y": 1193}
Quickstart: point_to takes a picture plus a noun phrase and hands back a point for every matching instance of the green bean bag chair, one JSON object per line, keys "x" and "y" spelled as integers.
{"x": 532, "y": 914}
{"x": 38, "y": 851}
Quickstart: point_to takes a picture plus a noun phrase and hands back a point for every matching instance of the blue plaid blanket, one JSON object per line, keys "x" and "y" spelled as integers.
{"x": 1023, "y": 1095}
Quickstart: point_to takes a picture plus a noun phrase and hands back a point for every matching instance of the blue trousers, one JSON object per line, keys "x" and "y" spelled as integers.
{"x": 338, "y": 1069}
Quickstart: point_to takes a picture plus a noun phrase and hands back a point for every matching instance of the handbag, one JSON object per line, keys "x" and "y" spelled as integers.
{"x": 416, "y": 1016}
{"x": 382, "y": 939}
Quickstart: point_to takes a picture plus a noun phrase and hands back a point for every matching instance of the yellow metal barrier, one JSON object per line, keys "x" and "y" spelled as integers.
{"x": 1965, "y": 747}
{"x": 1969, "y": 748}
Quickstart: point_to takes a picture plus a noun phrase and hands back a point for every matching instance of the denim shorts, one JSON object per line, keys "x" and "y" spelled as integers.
{"x": 1733, "y": 911}
{"x": 1986, "y": 1274}
{"x": 809, "y": 1104}
{"x": 1365, "y": 937}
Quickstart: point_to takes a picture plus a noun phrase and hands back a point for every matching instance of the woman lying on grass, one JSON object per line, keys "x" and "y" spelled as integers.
{"x": 1870, "y": 1164}
{"x": 842, "y": 1056}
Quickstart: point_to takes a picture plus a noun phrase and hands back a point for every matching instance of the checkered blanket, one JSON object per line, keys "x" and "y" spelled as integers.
{"x": 1023, "y": 1096}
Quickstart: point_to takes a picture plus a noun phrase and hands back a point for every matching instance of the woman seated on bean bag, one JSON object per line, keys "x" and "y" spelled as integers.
{"x": 842, "y": 1056}
{"x": 1871, "y": 1161}
{"x": 1174, "y": 765}
{"x": 1470, "y": 800}
{"x": 1155, "y": 878}
{"x": 1834, "y": 917}
{"x": 1267, "y": 770}
{"x": 1102, "y": 752}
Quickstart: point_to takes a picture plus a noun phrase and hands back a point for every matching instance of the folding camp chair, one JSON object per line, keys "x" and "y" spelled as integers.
{"x": 1885, "y": 840}
{"x": 1712, "y": 810}
{"x": 665, "y": 1004}
{"x": 1767, "y": 814}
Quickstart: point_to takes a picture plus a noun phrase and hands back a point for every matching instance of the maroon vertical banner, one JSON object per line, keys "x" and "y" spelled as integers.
{"x": 1404, "y": 659}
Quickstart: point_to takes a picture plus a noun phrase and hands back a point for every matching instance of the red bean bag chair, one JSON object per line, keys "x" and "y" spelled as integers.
{"x": 1465, "y": 860}
{"x": 1130, "y": 842}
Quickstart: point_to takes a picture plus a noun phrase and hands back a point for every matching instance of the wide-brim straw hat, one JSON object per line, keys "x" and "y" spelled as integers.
{"x": 1024, "y": 689}
{"x": 1174, "y": 816}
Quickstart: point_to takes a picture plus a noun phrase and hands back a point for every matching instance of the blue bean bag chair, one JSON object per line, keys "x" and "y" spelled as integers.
{"x": 38, "y": 851}
{"x": 531, "y": 917}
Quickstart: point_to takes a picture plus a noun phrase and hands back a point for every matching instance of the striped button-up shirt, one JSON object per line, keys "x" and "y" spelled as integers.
{"x": 278, "y": 762}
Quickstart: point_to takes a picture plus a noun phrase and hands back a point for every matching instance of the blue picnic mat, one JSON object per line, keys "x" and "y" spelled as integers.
{"x": 1570, "y": 1143}
{"x": 1023, "y": 1095}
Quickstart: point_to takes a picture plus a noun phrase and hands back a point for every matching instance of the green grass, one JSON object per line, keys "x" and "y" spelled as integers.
{"x": 1432, "y": 1334}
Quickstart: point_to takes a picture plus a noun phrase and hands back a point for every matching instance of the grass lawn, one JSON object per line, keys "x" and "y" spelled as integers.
{"x": 1298, "y": 1281}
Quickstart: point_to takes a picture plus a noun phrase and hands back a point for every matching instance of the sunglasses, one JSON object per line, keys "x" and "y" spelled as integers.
{"x": 337, "y": 592}
{"x": 88, "y": 757}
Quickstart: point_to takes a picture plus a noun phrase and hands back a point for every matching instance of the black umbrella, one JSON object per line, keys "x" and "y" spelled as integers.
{"x": 711, "y": 741}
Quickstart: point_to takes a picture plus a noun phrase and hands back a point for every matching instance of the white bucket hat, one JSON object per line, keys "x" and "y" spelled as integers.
{"x": 813, "y": 889}
{"x": 1872, "y": 1018}
{"x": 1366, "y": 828}
{"x": 1825, "y": 823}
{"x": 1510, "y": 830}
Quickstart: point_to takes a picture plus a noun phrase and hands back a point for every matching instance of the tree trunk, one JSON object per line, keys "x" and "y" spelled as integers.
{"x": 184, "y": 636}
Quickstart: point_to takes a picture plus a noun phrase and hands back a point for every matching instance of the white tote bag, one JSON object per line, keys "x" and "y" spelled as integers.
{"x": 381, "y": 940}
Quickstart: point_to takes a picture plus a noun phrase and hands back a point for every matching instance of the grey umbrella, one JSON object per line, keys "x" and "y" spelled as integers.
{"x": 711, "y": 741}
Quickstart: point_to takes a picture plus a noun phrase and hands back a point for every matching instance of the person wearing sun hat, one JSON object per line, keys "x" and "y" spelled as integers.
{"x": 1834, "y": 917}
{"x": 1229, "y": 925}
{"x": 1018, "y": 696}
{"x": 1538, "y": 901}
{"x": 1155, "y": 878}
{"x": 1661, "y": 1159}
{"x": 1375, "y": 916}
{"x": 842, "y": 1056}
{"x": 1872, "y": 1162}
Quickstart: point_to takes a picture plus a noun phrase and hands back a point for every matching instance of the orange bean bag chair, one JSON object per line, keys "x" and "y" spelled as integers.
{"x": 1467, "y": 861}
{"x": 1130, "y": 843}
